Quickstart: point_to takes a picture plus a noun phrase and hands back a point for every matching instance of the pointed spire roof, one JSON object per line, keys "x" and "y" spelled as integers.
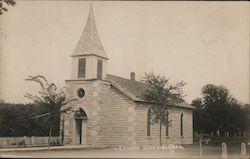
{"x": 90, "y": 43}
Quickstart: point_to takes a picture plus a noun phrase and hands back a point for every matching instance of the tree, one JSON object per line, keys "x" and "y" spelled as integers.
{"x": 198, "y": 115}
{"x": 161, "y": 94}
{"x": 8, "y": 2}
{"x": 15, "y": 120}
{"x": 247, "y": 114}
{"x": 218, "y": 110}
{"x": 49, "y": 96}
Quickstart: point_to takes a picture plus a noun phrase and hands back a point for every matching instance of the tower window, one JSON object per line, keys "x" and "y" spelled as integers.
{"x": 181, "y": 130}
{"x": 99, "y": 69}
{"x": 81, "y": 67}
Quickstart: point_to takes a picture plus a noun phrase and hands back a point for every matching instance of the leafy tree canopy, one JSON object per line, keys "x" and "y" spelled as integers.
{"x": 218, "y": 110}
{"x": 40, "y": 118}
{"x": 162, "y": 94}
{"x": 15, "y": 120}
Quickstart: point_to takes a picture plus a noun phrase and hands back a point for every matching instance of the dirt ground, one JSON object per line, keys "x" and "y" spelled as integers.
{"x": 191, "y": 151}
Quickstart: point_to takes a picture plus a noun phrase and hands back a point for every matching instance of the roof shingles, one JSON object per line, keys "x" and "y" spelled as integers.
{"x": 135, "y": 89}
{"x": 90, "y": 42}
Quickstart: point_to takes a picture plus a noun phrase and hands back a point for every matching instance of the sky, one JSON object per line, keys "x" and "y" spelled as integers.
{"x": 197, "y": 42}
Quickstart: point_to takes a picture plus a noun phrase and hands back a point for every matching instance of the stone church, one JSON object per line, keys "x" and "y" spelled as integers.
{"x": 110, "y": 110}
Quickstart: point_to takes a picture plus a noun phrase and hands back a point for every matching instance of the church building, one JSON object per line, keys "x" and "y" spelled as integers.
{"x": 110, "y": 110}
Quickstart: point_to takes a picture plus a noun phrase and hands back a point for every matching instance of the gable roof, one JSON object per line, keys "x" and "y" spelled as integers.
{"x": 134, "y": 89}
{"x": 90, "y": 43}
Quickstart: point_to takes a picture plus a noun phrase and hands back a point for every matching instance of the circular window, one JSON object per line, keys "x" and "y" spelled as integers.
{"x": 80, "y": 92}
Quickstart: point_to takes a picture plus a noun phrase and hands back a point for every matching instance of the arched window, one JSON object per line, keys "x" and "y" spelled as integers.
{"x": 80, "y": 114}
{"x": 167, "y": 126}
{"x": 181, "y": 129}
{"x": 149, "y": 114}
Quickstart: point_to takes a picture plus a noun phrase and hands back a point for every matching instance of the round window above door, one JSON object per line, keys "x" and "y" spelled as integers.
{"x": 80, "y": 92}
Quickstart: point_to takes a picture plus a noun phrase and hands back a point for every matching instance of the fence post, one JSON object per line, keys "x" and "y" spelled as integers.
{"x": 24, "y": 140}
{"x": 224, "y": 151}
{"x": 4, "y": 141}
{"x": 11, "y": 141}
{"x": 200, "y": 145}
{"x": 33, "y": 140}
{"x": 243, "y": 151}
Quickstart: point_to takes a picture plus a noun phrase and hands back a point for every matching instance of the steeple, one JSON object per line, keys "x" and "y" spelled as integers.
{"x": 89, "y": 60}
{"x": 90, "y": 43}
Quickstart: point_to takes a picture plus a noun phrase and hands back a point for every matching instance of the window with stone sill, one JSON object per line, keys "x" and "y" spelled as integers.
{"x": 181, "y": 126}
{"x": 167, "y": 127}
{"x": 149, "y": 114}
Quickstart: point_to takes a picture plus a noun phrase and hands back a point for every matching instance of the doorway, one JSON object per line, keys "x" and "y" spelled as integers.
{"x": 80, "y": 120}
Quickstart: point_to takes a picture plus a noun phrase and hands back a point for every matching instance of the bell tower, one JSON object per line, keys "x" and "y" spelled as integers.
{"x": 89, "y": 59}
{"x": 88, "y": 74}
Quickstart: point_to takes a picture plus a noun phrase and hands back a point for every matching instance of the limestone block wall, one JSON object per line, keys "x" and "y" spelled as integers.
{"x": 117, "y": 118}
{"x": 173, "y": 137}
{"x": 110, "y": 114}
{"x": 90, "y": 104}
{"x": 113, "y": 119}
{"x": 124, "y": 122}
